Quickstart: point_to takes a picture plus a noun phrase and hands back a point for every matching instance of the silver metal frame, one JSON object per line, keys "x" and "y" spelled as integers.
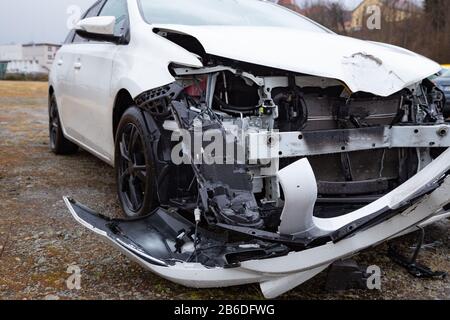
{"x": 272, "y": 145}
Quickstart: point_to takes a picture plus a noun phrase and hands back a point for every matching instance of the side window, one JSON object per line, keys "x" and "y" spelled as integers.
{"x": 118, "y": 9}
{"x": 70, "y": 37}
{"x": 92, "y": 12}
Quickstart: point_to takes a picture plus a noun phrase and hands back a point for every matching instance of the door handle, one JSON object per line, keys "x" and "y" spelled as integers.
{"x": 60, "y": 62}
{"x": 77, "y": 65}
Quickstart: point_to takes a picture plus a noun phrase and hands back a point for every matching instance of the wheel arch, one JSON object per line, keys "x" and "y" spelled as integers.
{"x": 122, "y": 103}
{"x": 51, "y": 92}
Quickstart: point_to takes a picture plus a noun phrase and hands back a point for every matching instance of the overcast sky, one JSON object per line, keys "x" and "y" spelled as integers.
{"x": 25, "y": 21}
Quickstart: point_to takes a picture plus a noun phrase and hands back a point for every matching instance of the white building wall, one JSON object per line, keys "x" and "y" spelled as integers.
{"x": 11, "y": 52}
{"x": 43, "y": 54}
{"x": 29, "y": 58}
{"x": 25, "y": 66}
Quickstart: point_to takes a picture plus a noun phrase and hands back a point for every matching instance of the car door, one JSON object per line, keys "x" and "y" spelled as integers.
{"x": 92, "y": 83}
{"x": 65, "y": 75}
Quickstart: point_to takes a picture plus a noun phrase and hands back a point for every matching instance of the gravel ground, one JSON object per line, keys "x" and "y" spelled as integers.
{"x": 39, "y": 240}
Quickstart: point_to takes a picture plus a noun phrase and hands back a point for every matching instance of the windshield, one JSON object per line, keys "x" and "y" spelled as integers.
{"x": 225, "y": 13}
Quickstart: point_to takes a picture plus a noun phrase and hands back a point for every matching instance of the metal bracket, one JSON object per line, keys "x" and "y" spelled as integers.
{"x": 208, "y": 70}
{"x": 411, "y": 265}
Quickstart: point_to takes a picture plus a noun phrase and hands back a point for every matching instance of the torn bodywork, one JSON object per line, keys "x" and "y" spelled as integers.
{"x": 273, "y": 126}
{"x": 268, "y": 176}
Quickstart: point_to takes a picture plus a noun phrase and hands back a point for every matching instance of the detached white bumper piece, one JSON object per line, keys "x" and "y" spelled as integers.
{"x": 163, "y": 241}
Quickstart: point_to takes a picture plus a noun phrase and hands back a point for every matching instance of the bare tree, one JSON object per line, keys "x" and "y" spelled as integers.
{"x": 328, "y": 13}
{"x": 421, "y": 28}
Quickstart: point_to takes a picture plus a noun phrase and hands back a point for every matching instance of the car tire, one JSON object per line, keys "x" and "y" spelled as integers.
{"x": 134, "y": 164}
{"x": 58, "y": 143}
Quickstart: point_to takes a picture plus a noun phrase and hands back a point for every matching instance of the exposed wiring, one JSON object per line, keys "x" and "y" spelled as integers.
{"x": 382, "y": 164}
{"x": 197, "y": 216}
{"x": 225, "y": 85}
{"x": 233, "y": 109}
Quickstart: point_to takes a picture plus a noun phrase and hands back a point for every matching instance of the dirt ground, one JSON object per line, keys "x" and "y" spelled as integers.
{"x": 39, "y": 240}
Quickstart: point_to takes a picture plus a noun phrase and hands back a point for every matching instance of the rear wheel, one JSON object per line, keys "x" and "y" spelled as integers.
{"x": 135, "y": 169}
{"x": 58, "y": 143}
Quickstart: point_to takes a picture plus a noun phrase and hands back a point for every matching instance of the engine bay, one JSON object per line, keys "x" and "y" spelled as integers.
{"x": 356, "y": 143}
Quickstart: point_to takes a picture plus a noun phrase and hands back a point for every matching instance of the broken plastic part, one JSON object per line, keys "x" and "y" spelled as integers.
{"x": 300, "y": 191}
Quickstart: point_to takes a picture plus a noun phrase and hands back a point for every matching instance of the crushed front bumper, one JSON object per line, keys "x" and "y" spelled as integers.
{"x": 414, "y": 203}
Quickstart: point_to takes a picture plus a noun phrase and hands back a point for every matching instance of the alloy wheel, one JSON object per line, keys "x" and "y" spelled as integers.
{"x": 133, "y": 168}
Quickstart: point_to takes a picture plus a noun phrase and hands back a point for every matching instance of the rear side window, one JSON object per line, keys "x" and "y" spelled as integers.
{"x": 119, "y": 10}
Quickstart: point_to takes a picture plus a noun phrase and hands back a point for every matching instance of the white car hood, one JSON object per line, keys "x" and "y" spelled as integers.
{"x": 365, "y": 66}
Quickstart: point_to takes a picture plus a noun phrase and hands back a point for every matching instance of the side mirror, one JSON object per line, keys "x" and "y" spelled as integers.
{"x": 98, "y": 28}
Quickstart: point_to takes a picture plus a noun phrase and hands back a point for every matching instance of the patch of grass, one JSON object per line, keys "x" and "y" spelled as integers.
{"x": 23, "y": 89}
{"x": 27, "y": 77}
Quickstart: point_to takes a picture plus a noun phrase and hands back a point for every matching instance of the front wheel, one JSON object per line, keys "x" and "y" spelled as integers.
{"x": 135, "y": 170}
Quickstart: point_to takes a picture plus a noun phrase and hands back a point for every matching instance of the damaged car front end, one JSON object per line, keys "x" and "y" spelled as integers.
{"x": 271, "y": 164}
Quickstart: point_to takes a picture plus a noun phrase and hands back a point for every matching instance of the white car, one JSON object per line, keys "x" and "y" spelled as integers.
{"x": 251, "y": 144}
